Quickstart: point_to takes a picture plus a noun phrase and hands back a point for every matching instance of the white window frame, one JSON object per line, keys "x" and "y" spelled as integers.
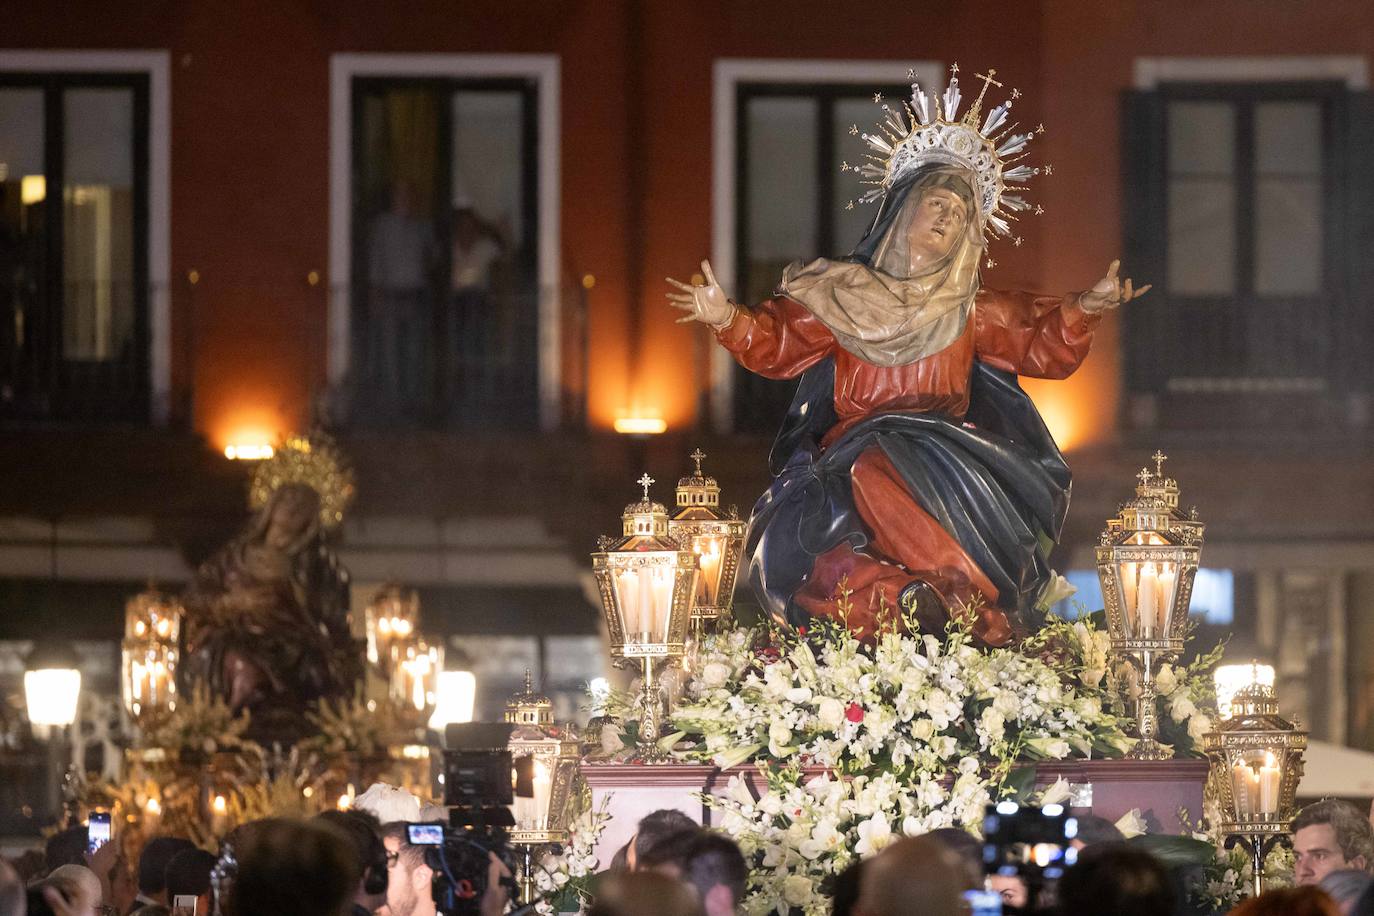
{"x": 157, "y": 65}
{"x": 727, "y": 74}
{"x": 544, "y": 70}
{"x": 1352, "y": 70}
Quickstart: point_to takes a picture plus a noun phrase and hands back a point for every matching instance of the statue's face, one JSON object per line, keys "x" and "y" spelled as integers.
{"x": 939, "y": 219}
{"x": 291, "y": 516}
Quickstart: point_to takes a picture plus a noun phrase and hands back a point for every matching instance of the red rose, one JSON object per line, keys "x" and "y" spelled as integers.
{"x": 855, "y": 713}
{"x": 801, "y": 631}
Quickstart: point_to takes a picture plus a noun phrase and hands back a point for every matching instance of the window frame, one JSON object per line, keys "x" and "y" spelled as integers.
{"x": 545, "y": 71}
{"x": 727, "y": 73}
{"x": 152, "y": 401}
{"x": 447, "y": 85}
{"x": 1245, "y": 388}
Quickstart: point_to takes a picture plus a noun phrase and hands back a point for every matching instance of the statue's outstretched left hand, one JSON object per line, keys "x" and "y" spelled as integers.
{"x": 707, "y": 302}
{"x": 1110, "y": 292}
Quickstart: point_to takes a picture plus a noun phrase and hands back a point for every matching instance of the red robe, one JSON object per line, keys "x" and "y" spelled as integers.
{"x": 1038, "y": 336}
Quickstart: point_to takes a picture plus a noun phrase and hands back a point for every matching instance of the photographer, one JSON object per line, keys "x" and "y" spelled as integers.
{"x": 410, "y": 887}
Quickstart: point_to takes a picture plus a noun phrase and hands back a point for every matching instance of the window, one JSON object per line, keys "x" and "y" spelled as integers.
{"x": 445, "y": 227}
{"x": 794, "y": 202}
{"x": 1237, "y": 200}
{"x": 74, "y": 322}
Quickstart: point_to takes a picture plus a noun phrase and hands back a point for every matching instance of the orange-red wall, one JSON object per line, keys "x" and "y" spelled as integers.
{"x": 250, "y": 147}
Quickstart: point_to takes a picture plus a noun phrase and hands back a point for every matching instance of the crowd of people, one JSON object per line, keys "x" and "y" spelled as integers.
{"x": 363, "y": 861}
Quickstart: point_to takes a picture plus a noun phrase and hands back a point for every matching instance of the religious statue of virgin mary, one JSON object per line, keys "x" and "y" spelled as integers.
{"x": 911, "y": 467}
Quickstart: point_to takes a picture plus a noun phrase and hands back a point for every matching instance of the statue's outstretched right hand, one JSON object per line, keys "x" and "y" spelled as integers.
{"x": 706, "y": 302}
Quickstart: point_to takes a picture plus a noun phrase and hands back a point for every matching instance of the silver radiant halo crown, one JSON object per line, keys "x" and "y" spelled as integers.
{"x": 928, "y": 129}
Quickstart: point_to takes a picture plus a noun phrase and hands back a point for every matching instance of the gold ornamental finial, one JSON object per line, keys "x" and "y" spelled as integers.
{"x": 1144, "y": 477}
{"x": 977, "y": 108}
{"x": 645, "y": 481}
{"x": 1159, "y": 458}
{"x": 697, "y": 455}
{"x": 529, "y": 682}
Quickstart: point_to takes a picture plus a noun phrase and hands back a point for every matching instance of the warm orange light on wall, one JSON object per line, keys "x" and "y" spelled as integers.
{"x": 640, "y": 423}
{"x": 1065, "y": 411}
{"x": 248, "y": 451}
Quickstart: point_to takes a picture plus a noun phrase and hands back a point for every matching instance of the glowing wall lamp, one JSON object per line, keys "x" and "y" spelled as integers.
{"x": 455, "y": 699}
{"x": 33, "y": 189}
{"x": 248, "y": 451}
{"x": 52, "y": 685}
{"x": 638, "y": 425}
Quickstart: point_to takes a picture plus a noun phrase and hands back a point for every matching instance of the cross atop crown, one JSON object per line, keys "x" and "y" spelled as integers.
{"x": 645, "y": 481}
{"x": 1144, "y": 477}
{"x": 697, "y": 456}
{"x": 977, "y": 107}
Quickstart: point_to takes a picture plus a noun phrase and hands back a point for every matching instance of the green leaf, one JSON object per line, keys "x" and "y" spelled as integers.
{"x": 1020, "y": 783}
{"x": 1175, "y": 851}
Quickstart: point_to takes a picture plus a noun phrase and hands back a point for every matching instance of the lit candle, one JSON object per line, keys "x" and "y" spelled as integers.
{"x": 1149, "y": 589}
{"x": 1246, "y": 785}
{"x": 1167, "y": 579}
{"x": 152, "y": 814}
{"x": 648, "y": 611}
{"x": 708, "y": 580}
{"x": 663, "y": 601}
{"x": 346, "y": 800}
{"x": 1269, "y": 786}
{"x": 543, "y": 790}
{"x": 219, "y": 815}
{"x": 1129, "y": 573}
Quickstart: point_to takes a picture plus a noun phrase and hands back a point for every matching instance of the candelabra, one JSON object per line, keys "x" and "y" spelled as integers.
{"x": 1256, "y": 758}
{"x": 1146, "y": 560}
{"x": 646, "y": 581}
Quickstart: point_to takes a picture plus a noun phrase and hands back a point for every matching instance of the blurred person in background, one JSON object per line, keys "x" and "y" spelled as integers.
{"x": 188, "y": 875}
{"x": 1330, "y": 835}
{"x": 11, "y": 891}
{"x": 1289, "y": 901}
{"x": 644, "y": 893}
{"x": 968, "y": 848}
{"x": 653, "y": 828}
{"x": 365, "y": 832}
{"x": 708, "y": 861}
{"x": 152, "y": 868}
{"x": 71, "y": 890}
{"x": 844, "y": 891}
{"x": 294, "y": 868}
{"x": 1113, "y": 878}
{"x": 914, "y": 874}
{"x": 1346, "y": 887}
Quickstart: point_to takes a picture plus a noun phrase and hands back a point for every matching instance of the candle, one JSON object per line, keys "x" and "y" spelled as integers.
{"x": 543, "y": 789}
{"x": 1167, "y": 578}
{"x": 1246, "y": 785}
{"x": 663, "y": 598}
{"x": 1129, "y": 572}
{"x": 708, "y": 580}
{"x": 1269, "y": 786}
{"x": 644, "y": 619}
{"x": 219, "y": 815}
{"x": 152, "y": 814}
{"x": 1147, "y": 601}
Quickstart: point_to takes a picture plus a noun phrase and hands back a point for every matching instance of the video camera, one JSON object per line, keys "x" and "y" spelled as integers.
{"x": 478, "y": 790}
{"x": 1029, "y": 843}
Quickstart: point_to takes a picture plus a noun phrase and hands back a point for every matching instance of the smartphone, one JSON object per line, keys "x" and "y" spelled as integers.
{"x": 97, "y": 830}
{"x": 983, "y": 903}
{"x": 184, "y": 905}
{"x": 425, "y": 834}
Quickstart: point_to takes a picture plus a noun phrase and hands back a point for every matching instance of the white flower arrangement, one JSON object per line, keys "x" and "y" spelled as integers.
{"x": 911, "y": 733}
{"x": 562, "y": 879}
